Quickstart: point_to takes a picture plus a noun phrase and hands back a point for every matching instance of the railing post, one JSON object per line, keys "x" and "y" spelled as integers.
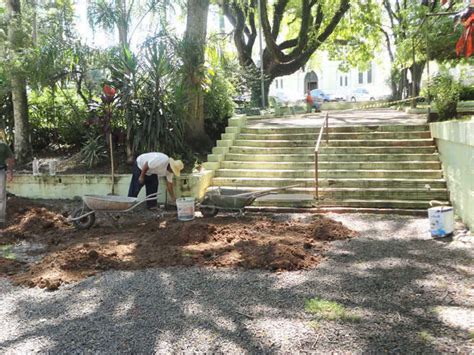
{"x": 316, "y": 182}
{"x": 327, "y": 128}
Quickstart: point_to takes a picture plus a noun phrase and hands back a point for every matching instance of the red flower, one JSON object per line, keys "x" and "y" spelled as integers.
{"x": 465, "y": 44}
{"x": 109, "y": 91}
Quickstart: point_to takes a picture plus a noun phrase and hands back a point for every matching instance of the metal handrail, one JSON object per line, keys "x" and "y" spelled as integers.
{"x": 316, "y": 153}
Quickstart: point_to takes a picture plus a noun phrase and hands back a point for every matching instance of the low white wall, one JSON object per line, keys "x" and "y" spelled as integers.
{"x": 455, "y": 141}
{"x": 75, "y": 185}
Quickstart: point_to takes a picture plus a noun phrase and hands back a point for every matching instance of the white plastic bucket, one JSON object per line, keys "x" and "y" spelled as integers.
{"x": 185, "y": 206}
{"x": 441, "y": 221}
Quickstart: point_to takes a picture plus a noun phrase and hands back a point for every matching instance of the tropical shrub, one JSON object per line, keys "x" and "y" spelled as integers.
{"x": 57, "y": 117}
{"x": 150, "y": 97}
{"x": 93, "y": 151}
{"x": 466, "y": 93}
{"x": 218, "y": 105}
{"x": 445, "y": 91}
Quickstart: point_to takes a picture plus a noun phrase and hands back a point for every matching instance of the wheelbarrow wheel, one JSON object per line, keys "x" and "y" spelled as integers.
{"x": 85, "y": 222}
{"x": 209, "y": 211}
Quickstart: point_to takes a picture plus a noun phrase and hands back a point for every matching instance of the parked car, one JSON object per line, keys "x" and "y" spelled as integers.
{"x": 361, "y": 94}
{"x": 335, "y": 97}
{"x": 320, "y": 95}
{"x": 241, "y": 99}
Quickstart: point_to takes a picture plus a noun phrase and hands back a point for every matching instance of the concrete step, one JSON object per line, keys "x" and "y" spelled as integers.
{"x": 383, "y": 194}
{"x": 337, "y": 136}
{"x": 253, "y": 129}
{"x": 297, "y": 200}
{"x": 332, "y": 173}
{"x": 333, "y": 194}
{"x": 332, "y": 157}
{"x": 257, "y": 184}
{"x": 335, "y": 143}
{"x": 332, "y": 150}
{"x": 324, "y": 165}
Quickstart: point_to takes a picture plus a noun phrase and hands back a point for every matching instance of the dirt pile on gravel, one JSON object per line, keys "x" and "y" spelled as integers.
{"x": 250, "y": 242}
{"x": 10, "y": 267}
{"x": 30, "y": 220}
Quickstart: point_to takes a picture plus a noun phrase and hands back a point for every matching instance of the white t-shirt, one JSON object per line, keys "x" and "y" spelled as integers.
{"x": 157, "y": 164}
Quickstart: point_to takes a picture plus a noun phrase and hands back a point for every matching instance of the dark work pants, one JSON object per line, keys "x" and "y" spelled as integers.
{"x": 151, "y": 185}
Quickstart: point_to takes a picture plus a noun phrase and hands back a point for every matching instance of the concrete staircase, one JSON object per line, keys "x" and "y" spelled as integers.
{"x": 385, "y": 166}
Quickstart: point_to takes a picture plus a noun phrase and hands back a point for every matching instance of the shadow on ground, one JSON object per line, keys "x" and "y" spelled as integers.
{"x": 394, "y": 276}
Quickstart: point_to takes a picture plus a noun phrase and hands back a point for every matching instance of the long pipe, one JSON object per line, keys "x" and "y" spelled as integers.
{"x": 316, "y": 153}
{"x": 316, "y": 183}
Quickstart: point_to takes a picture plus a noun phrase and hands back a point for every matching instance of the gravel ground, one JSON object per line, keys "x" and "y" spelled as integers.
{"x": 410, "y": 294}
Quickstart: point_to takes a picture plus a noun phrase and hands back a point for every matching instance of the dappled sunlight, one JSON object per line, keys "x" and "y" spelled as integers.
{"x": 281, "y": 331}
{"x": 386, "y": 289}
{"x": 456, "y": 316}
{"x": 124, "y": 307}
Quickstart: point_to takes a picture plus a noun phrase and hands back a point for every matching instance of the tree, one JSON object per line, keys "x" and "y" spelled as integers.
{"x": 412, "y": 38}
{"x": 121, "y": 15}
{"x": 312, "y": 22}
{"x": 194, "y": 44}
{"x": 18, "y": 83}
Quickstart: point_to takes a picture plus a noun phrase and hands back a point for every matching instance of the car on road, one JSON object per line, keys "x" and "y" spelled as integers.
{"x": 320, "y": 95}
{"x": 333, "y": 97}
{"x": 361, "y": 94}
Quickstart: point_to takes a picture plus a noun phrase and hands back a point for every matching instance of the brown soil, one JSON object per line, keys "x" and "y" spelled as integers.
{"x": 248, "y": 242}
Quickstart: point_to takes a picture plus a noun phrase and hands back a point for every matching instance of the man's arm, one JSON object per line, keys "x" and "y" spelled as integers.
{"x": 170, "y": 188}
{"x": 141, "y": 178}
{"x": 10, "y": 164}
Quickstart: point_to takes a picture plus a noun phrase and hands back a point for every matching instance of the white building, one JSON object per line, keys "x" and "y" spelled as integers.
{"x": 331, "y": 80}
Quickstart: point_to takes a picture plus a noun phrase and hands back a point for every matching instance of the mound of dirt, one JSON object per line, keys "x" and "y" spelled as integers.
{"x": 10, "y": 267}
{"x": 31, "y": 220}
{"x": 250, "y": 242}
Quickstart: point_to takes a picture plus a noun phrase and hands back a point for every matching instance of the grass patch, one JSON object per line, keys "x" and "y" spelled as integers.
{"x": 329, "y": 310}
{"x": 425, "y": 336}
{"x": 5, "y": 252}
{"x": 471, "y": 335}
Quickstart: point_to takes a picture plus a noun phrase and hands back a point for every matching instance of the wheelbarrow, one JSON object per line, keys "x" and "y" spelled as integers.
{"x": 84, "y": 217}
{"x": 215, "y": 201}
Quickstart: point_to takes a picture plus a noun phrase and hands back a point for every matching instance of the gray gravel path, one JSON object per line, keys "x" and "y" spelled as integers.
{"x": 411, "y": 293}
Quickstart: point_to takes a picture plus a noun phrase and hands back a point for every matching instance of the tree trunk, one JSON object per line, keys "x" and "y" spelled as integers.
{"x": 416, "y": 75}
{"x": 18, "y": 86}
{"x": 122, "y": 27}
{"x": 286, "y": 57}
{"x": 195, "y": 40}
{"x": 256, "y": 91}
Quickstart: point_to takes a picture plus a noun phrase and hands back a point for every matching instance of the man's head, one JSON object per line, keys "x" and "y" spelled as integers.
{"x": 176, "y": 166}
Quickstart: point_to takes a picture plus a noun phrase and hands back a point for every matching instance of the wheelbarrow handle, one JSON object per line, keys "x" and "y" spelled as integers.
{"x": 151, "y": 196}
{"x": 147, "y": 198}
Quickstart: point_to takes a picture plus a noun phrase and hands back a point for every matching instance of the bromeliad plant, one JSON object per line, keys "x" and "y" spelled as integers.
{"x": 102, "y": 117}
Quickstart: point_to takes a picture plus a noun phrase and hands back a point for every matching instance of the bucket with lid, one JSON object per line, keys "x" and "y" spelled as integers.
{"x": 185, "y": 207}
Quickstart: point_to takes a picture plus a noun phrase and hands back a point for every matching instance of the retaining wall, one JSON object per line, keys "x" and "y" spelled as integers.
{"x": 69, "y": 186}
{"x": 455, "y": 141}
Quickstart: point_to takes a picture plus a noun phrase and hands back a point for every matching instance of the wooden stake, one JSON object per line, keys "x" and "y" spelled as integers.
{"x": 112, "y": 163}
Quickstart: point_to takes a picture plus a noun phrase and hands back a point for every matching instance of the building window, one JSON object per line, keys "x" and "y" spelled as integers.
{"x": 276, "y": 83}
{"x": 340, "y": 81}
{"x": 281, "y": 84}
{"x": 369, "y": 75}
{"x": 361, "y": 77}
{"x": 346, "y": 80}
